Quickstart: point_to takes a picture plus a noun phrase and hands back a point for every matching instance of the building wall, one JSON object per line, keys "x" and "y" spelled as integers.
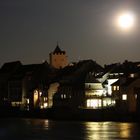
{"x": 70, "y": 96}
{"x": 53, "y": 88}
{"x": 130, "y": 104}
{"x": 58, "y": 60}
{"x": 132, "y": 95}
{"x": 96, "y": 96}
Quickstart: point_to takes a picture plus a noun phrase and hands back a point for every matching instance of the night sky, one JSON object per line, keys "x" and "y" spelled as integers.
{"x": 85, "y": 29}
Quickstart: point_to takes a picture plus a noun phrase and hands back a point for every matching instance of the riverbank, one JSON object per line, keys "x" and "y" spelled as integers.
{"x": 73, "y": 114}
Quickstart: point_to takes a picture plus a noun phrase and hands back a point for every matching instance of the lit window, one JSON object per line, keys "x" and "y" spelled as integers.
{"x": 118, "y": 87}
{"x": 88, "y": 103}
{"x": 35, "y": 92}
{"x": 27, "y": 100}
{"x": 106, "y": 102}
{"x": 132, "y": 75}
{"x": 64, "y": 95}
{"x": 45, "y": 99}
{"x": 45, "y": 105}
{"x": 61, "y": 96}
{"x": 113, "y": 102}
{"x": 41, "y": 107}
{"x": 94, "y": 103}
{"x": 114, "y": 87}
{"x": 124, "y": 97}
{"x": 40, "y": 93}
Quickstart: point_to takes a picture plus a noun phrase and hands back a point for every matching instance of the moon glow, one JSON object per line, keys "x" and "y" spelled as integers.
{"x": 126, "y": 21}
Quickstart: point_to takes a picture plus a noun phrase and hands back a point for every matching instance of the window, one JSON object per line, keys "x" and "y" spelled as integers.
{"x": 118, "y": 87}
{"x": 124, "y": 97}
{"x": 94, "y": 103}
{"x": 63, "y": 96}
{"x": 45, "y": 99}
{"x": 40, "y": 93}
{"x": 135, "y": 96}
{"x": 45, "y": 105}
{"x": 132, "y": 75}
{"x": 114, "y": 87}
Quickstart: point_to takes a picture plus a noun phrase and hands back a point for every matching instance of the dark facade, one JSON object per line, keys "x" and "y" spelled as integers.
{"x": 19, "y": 83}
{"x": 6, "y": 71}
{"x": 71, "y": 92}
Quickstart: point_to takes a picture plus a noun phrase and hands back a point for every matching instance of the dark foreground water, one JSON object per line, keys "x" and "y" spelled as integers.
{"x": 41, "y": 129}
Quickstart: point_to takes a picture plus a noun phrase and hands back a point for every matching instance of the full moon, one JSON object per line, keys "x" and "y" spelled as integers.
{"x": 126, "y": 20}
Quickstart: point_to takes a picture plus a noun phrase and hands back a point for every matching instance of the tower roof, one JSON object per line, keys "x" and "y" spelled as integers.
{"x": 58, "y": 50}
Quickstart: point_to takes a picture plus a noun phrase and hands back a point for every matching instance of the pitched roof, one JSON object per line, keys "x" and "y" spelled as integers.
{"x": 10, "y": 67}
{"x": 123, "y": 82}
{"x": 126, "y": 67}
{"x": 91, "y": 79}
{"x": 58, "y": 50}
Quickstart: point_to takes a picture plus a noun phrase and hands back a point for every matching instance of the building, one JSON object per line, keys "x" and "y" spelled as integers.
{"x": 6, "y": 71}
{"x": 58, "y": 58}
{"x": 96, "y": 95}
{"x": 126, "y": 89}
{"x": 72, "y": 92}
{"x": 26, "y": 86}
{"x": 126, "y": 93}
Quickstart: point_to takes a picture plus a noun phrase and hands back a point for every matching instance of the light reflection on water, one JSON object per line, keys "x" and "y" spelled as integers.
{"x": 108, "y": 130}
{"x": 43, "y": 129}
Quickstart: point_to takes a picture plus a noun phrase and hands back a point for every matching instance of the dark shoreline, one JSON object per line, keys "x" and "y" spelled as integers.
{"x": 73, "y": 115}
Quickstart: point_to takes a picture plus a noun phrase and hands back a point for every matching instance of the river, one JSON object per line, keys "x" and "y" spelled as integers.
{"x": 43, "y": 129}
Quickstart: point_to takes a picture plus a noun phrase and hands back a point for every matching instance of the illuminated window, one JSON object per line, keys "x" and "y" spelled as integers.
{"x": 35, "y": 97}
{"x": 118, "y": 87}
{"x": 113, "y": 102}
{"x": 27, "y": 100}
{"x": 106, "y": 102}
{"x": 132, "y": 75}
{"x": 40, "y": 93}
{"x": 61, "y": 96}
{"x": 94, "y": 103}
{"x": 114, "y": 87}
{"x": 45, "y": 99}
{"x": 45, "y": 105}
{"x": 135, "y": 96}
{"x": 124, "y": 97}
{"x": 64, "y": 95}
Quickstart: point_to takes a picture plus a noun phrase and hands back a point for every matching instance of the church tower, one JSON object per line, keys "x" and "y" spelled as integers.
{"x": 58, "y": 58}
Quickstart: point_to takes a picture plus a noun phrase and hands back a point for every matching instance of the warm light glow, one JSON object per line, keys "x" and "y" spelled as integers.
{"x": 125, "y": 130}
{"x": 94, "y": 103}
{"x": 35, "y": 97}
{"x": 114, "y": 87}
{"x": 118, "y": 88}
{"x": 45, "y": 105}
{"x": 110, "y": 82}
{"x": 27, "y": 101}
{"x": 40, "y": 93}
{"x": 124, "y": 97}
{"x": 126, "y": 20}
{"x": 51, "y": 91}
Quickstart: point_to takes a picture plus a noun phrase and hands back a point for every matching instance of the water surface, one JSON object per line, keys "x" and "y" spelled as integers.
{"x": 43, "y": 129}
